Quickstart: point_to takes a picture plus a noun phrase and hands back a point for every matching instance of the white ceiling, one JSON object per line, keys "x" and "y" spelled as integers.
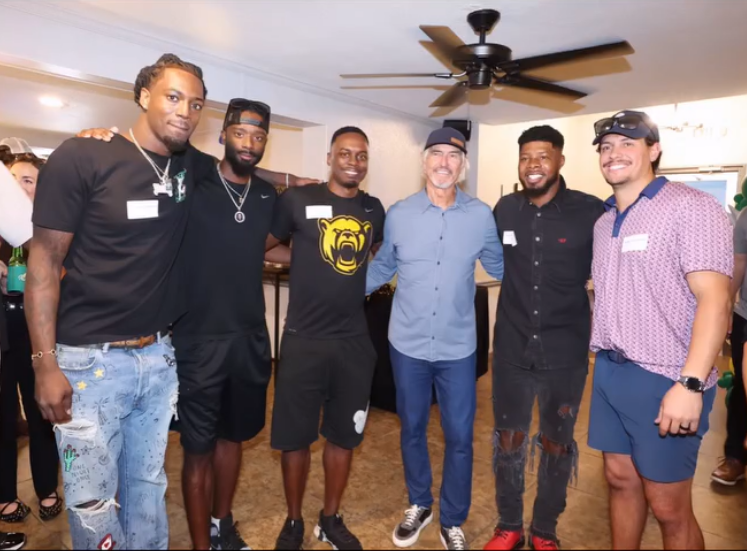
{"x": 684, "y": 49}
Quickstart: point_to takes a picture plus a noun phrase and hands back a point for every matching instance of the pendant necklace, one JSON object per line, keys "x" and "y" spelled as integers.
{"x": 165, "y": 185}
{"x": 239, "y": 216}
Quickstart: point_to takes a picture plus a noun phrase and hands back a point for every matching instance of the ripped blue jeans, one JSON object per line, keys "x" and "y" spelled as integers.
{"x": 112, "y": 452}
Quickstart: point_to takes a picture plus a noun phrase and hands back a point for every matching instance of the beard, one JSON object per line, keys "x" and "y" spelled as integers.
{"x": 240, "y": 166}
{"x": 350, "y": 185}
{"x": 174, "y": 145}
{"x": 540, "y": 191}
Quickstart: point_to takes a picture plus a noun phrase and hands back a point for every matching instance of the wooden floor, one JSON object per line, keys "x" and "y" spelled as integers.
{"x": 376, "y": 495}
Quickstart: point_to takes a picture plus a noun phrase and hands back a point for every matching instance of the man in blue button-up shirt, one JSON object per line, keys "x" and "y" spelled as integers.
{"x": 431, "y": 242}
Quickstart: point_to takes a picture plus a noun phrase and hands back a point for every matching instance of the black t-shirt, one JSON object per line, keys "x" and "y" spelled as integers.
{"x": 119, "y": 282}
{"x": 332, "y": 237}
{"x": 223, "y": 260}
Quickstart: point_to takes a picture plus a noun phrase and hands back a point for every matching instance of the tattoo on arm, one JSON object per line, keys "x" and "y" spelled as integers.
{"x": 48, "y": 250}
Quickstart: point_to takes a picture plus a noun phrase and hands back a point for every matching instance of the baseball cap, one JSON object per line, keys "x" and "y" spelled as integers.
{"x": 448, "y": 136}
{"x": 633, "y": 124}
{"x": 17, "y": 146}
{"x": 238, "y": 105}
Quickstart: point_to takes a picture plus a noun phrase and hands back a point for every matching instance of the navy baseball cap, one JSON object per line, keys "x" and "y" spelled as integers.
{"x": 448, "y": 136}
{"x": 238, "y": 105}
{"x": 633, "y": 124}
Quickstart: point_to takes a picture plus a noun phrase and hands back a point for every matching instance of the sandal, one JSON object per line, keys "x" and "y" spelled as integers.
{"x": 19, "y": 515}
{"x": 48, "y": 513}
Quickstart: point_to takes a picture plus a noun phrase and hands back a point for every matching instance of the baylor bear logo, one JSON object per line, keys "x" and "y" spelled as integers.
{"x": 344, "y": 242}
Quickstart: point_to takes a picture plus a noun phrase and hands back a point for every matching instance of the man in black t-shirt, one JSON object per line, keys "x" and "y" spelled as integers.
{"x": 100, "y": 295}
{"x": 327, "y": 358}
{"x": 222, "y": 344}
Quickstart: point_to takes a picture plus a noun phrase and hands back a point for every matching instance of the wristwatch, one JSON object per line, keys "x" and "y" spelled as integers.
{"x": 693, "y": 384}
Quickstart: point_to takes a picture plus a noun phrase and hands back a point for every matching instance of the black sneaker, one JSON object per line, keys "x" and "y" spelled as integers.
{"x": 291, "y": 536}
{"x": 9, "y": 542}
{"x": 453, "y": 538}
{"x": 408, "y": 531}
{"x": 224, "y": 535}
{"x": 332, "y": 530}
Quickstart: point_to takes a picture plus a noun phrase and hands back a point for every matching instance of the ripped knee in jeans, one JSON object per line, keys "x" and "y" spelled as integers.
{"x": 86, "y": 512}
{"x": 556, "y": 455}
{"x": 510, "y": 449}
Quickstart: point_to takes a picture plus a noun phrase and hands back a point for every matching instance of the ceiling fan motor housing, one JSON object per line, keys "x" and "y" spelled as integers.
{"x": 477, "y": 59}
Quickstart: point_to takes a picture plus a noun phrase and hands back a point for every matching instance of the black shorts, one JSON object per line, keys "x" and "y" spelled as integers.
{"x": 222, "y": 389}
{"x": 333, "y": 374}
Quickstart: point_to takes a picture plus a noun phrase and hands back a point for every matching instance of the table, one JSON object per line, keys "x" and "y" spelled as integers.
{"x": 276, "y": 273}
{"x": 378, "y": 310}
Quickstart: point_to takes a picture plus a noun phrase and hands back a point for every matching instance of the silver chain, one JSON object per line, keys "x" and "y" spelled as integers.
{"x": 163, "y": 175}
{"x": 239, "y": 216}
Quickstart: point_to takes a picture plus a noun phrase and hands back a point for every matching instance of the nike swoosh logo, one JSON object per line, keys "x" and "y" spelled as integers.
{"x": 264, "y": 196}
{"x": 368, "y": 210}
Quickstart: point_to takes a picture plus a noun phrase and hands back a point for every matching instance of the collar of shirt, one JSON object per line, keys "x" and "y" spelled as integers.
{"x": 557, "y": 201}
{"x": 461, "y": 200}
{"x": 649, "y": 192}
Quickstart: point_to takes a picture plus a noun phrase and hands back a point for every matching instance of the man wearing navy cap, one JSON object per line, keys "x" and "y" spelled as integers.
{"x": 662, "y": 267}
{"x": 432, "y": 240}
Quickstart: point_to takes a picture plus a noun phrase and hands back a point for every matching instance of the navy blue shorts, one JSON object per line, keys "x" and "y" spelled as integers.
{"x": 625, "y": 403}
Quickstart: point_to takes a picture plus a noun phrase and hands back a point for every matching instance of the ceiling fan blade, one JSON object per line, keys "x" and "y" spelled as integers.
{"x": 393, "y": 75}
{"x": 603, "y": 50}
{"x": 539, "y": 85}
{"x": 444, "y": 38}
{"x": 453, "y": 96}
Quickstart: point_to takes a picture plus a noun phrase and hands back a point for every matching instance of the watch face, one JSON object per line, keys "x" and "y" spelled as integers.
{"x": 691, "y": 383}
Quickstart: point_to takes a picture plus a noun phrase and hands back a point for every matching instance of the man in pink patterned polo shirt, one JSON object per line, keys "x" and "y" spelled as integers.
{"x": 662, "y": 267}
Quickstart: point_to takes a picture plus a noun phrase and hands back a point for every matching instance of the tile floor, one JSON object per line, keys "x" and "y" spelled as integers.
{"x": 376, "y": 496}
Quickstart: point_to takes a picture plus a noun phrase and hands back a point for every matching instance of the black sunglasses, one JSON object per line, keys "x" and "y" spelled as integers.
{"x": 245, "y": 104}
{"x": 626, "y": 122}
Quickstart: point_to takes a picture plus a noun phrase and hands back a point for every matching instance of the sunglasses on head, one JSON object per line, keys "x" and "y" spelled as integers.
{"x": 626, "y": 122}
{"x": 249, "y": 104}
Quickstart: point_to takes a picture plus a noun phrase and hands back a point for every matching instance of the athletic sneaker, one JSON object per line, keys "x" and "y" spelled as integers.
{"x": 10, "y": 542}
{"x": 408, "y": 531}
{"x": 453, "y": 538}
{"x": 291, "y": 536}
{"x": 224, "y": 534}
{"x": 506, "y": 540}
{"x": 332, "y": 530}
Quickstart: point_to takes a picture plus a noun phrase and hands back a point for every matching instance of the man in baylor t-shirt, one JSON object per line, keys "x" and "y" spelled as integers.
{"x": 326, "y": 357}
{"x": 113, "y": 215}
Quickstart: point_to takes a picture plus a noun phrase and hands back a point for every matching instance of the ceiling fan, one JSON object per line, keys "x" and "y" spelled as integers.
{"x": 484, "y": 64}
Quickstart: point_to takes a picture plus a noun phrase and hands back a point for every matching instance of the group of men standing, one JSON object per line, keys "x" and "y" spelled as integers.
{"x": 115, "y": 270}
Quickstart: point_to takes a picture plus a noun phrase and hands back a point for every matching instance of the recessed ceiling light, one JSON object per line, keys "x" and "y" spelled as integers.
{"x": 51, "y": 101}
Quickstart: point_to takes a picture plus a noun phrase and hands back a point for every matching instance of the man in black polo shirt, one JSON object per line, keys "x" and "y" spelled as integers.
{"x": 327, "y": 358}
{"x": 222, "y": 344}
{"x": 542, "y": 333}
{"x": 100, "y": 295}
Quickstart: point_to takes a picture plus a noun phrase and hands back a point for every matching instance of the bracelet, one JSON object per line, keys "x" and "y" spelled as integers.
{"x": 39, "y": 355}
{"x": 287, "y": 185}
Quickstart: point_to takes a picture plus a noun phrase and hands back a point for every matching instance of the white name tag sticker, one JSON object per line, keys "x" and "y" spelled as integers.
{"x": 509, "y": 238}
{"x": 635, "y": 243}
{"x": 141, "y": 210}
{"x": 314, "y": 212}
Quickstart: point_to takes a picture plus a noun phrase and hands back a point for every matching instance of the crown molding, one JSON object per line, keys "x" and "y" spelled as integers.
{"x": 72, "y": 17}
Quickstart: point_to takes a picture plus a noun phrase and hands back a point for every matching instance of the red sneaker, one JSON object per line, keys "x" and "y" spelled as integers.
{"x": 543, "y": 544}
{"x": 504, "y": 540}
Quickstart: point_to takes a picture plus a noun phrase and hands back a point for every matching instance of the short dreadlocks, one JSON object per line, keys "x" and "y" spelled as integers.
{"x": 148, "y": 75}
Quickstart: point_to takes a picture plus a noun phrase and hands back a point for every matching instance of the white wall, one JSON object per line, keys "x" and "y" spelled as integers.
{"x": 499, "y": 150}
